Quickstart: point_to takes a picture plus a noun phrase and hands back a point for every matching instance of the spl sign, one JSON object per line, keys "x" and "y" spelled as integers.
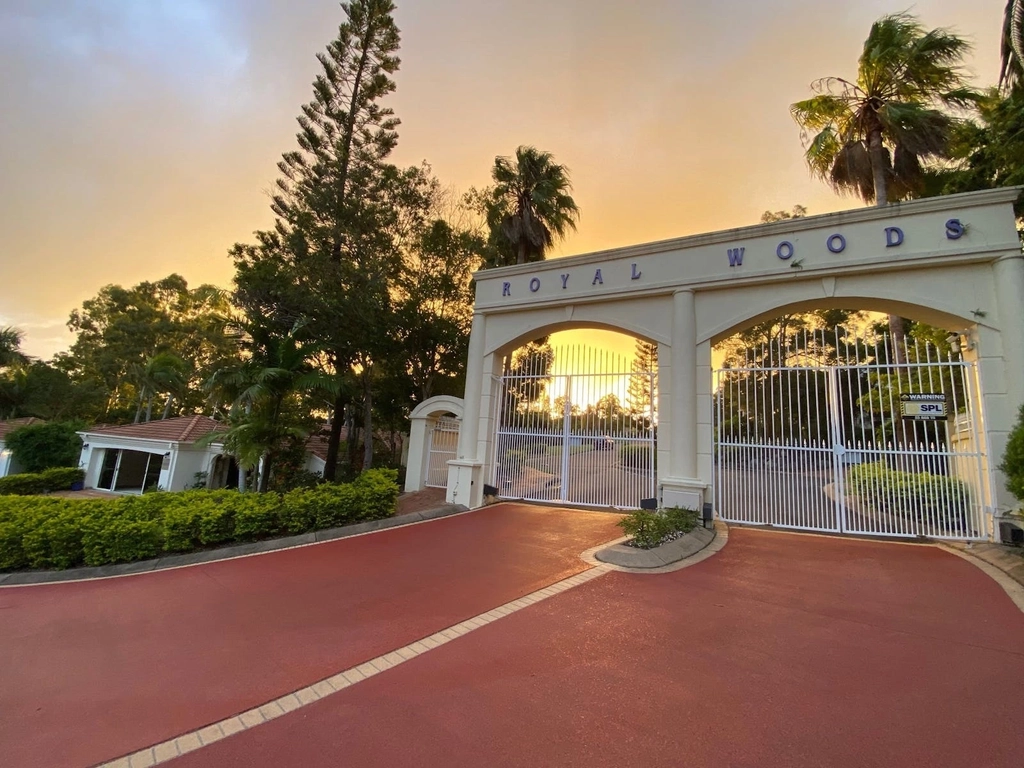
{"x": 923, "y": 406}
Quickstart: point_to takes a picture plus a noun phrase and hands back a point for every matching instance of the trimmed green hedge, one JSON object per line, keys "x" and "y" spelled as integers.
{"x": 937, "y": 497}
{"x": 1012, "y": 464}
{"x": 47, "y": 532}
{"x": 31, "y": 484}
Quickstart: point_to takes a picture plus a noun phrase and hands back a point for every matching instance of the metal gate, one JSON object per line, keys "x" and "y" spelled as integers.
{"x": 444, "y": 446}
{"x": 577, "y": 425}
{"x": 823, "y": 431}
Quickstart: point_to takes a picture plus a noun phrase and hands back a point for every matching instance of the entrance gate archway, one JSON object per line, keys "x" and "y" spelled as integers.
{"x": 954, "y": 262}
{"x": 584, "y": 435}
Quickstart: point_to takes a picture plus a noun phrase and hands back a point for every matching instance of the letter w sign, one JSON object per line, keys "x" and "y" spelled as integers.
{"x": 736, "y": 257}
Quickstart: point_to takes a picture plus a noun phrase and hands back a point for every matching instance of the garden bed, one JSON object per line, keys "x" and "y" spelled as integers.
{"x": 686, "y": 545}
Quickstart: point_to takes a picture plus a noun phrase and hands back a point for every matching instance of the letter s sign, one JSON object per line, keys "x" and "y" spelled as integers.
{"x": 955, "y": 229}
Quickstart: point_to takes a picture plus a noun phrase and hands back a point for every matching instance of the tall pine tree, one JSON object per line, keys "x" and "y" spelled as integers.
{"x": 641, "y": 397}
{"x": 331, "y": 256}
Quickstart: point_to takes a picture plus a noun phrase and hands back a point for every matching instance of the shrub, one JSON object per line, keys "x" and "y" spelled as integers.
{"x": 937, "y": 497}
{"x": 1012, "y": 464}
{"x": 47, "y": 532}
{"x": 32, "y": 484}
{"x": 38, "y": 447}
{"x": 649, "y": 529}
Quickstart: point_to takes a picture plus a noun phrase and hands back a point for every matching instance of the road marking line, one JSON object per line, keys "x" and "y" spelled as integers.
{"x": 264, "y": 713}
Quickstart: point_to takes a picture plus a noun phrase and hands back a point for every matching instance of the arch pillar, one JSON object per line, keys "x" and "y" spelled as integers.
{"x": 681, "y": 486}
{"x": 466, "y": 474}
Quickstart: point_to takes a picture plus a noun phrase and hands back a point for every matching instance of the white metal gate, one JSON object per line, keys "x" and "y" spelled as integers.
{"x": 810, "y": 434}
{"x": 577, "y": 425}
{"x": 444, "y": 447}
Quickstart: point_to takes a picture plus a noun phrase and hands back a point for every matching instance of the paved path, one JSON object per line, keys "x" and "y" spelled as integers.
{"x": 782, "y": 650}
{"x": 93, "y": 670}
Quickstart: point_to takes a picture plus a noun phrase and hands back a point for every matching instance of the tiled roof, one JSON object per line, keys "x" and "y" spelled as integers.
{"x": 13, "y": 424}
{"x": 185, "y": 429}
{"x": 317, "y": 442}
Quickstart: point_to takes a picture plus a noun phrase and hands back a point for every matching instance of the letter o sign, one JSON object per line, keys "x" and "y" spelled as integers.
{"x": 837, "y": 243}
{"x": 534, "y": 284}
{"x": 785, "y": 250}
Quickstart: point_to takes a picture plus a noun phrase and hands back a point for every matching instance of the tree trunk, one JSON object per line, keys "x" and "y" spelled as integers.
{"x": 264, "y": 474}
{"x": 138, "y": 411}
{"x": 334, "y": 439}
{"x": 149, "y": 409}
{"x": 167, "y": 407}
{"x": 367, "y": 421}
{"x": 521, "y": 257}
{"x": 242, "y": 478}
{"x": 877, "y": 154}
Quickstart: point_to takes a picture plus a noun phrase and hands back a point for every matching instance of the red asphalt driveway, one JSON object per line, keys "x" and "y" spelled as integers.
{"x": 94, "y": 670}
{"x": 780, "y": 651}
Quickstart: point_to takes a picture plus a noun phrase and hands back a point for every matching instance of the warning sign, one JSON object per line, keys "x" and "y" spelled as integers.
{"x": 923, "y": 406}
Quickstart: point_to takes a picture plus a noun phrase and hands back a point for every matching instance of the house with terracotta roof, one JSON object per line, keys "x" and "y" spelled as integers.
{"x": 8, "y": 464}
{"x": 161, "y": 454}
{"x": 167, "y": 454}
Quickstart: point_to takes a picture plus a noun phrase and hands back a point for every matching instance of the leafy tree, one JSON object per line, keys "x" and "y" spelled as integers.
{"x": 871, "y": 135}
{"x": 164, "y": 373}
{"x": 121, "y": 329}
{"x": 47, "y": 392}
{"x": 528, "y": 208}
{"x": 38, "y": 447}
{"x": 1012, "y": 464}
{"x": 798, "y": 212}
{"x": 988, "y": 153}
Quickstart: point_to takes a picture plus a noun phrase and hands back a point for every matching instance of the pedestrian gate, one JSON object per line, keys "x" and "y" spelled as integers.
{"x": 821, "y": 431}
{"x": 444, "y": 447}
{"x": 577, "y": 426}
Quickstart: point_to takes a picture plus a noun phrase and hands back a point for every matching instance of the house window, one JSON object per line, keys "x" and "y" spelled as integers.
{"x": 130, "y": 470}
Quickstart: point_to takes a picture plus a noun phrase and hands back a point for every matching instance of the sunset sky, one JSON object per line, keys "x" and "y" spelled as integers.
{"x": 139, "y": 137}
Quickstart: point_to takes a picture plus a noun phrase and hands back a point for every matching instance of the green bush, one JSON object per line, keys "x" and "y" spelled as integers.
{"x": 48, "y": 532}
{"x": 936, "y": 497}
{"x": 1012, "y": 464}
{"x": 39, "y": 447}
{"x": 32, "y": 484}
{"x": 649, "y": 529}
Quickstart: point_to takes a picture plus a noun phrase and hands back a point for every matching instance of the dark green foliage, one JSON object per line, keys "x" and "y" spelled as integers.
{"x": 649, "y": 529}
{"x": 35, "y": 483}
{"x": 42, "y": 446}
{"x": 1013, "y": 459}
{"x": 934, "y": 497}
{"x": 64, "y": 533}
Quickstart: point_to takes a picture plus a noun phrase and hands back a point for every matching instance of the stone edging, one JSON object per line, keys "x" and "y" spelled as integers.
{"x": 695, "y": 547}
{"x": 25, "y": 578}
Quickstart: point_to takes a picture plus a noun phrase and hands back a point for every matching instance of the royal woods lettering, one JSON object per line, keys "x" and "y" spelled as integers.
{"x": 535, "y": 283}
{"x": 836, "y": 242}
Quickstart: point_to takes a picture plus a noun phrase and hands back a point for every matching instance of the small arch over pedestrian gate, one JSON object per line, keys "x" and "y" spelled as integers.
{"x": 435, "y": 425}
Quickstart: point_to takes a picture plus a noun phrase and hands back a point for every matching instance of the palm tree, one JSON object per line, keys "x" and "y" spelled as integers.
{"x": 530, "y": 205}
{"x": 260, "y": 389}
{"x": 10, "y": 348}
{"x": 872, "y": 135}
{"x": 164, "y": 373}
{"x": 1011, "y": 73}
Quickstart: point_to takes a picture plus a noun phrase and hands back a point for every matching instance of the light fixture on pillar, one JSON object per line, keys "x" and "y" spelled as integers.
{"x": 959, "y": 341}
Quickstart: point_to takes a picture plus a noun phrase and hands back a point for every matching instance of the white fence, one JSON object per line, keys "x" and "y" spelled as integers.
{"x": 582, "y": 436}
{"x": 810, "y": 433}
{"x": 444, "y": 445}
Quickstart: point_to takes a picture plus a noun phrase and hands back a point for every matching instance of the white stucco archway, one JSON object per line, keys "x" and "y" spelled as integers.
{"x": 951, "y": 261}
{"x": 422, "y": 420}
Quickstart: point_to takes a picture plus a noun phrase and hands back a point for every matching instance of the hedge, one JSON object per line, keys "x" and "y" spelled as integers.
{"x": 31, "y": 484}
{"x": 935, "y": 497}
{"x": 649, "y": 529}
{"x": 48, "y": 532}
{"x": 1012, "y": 464}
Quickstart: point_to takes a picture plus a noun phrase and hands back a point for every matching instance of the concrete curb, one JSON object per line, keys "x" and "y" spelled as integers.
{"x": 689, "y": 554}
{"x": 668, "y": 553}
{"x": 25, "y": 578}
